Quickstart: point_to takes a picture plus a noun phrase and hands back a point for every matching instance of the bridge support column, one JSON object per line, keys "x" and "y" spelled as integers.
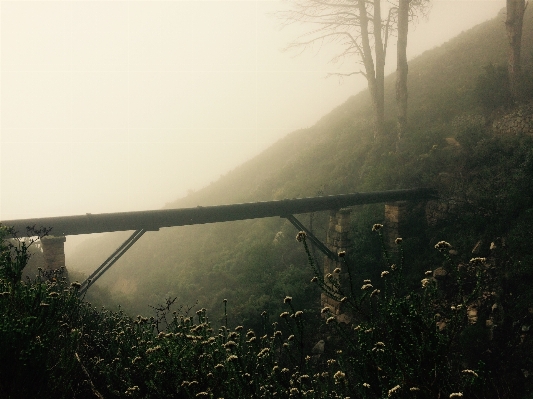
{"x": 405, "y": 219}
{"x": 395, "y": 218}
{"x": 338, "y": 239}
{"x": 53, "y": 252}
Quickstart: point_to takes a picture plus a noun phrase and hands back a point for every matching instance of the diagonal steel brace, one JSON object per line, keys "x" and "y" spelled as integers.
{"x": 110, "y": 261}
{"x": 321, "y": 247}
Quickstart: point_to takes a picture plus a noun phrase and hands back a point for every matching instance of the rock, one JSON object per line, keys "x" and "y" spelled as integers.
{"x": 318, "y": 349}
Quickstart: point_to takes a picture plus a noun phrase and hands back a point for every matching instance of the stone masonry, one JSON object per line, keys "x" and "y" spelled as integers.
{"x": 337, "y": 240}
{"x": 53, "y": 252}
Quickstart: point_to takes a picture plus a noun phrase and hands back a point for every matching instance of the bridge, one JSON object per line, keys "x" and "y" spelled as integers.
{"x": 142, "y": 221}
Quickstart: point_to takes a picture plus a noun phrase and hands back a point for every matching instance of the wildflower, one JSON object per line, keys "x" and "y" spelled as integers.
{"x": 314, "y": 279}
{"x": 341, "y": 254}
{"x": 428, "y": 273}
{"x": 43, "y": 304}
{"x": 339, "y": 376}
{"x": 367, "y": 286}
{"x": 299, "y": 313}
{"x": 337, "y": 270}
{"x": 294, "y": 391}
{"x": 290, "y": 337}
{"x": 325, "y": 310}
{"x": 154, "y": 349}
{"x": 471, "y": 372}
{"x": 252, "y": 339}
{"x": 425, "y": 282}
{"x": 53, "y": 294}
{"x": 275, "y": 368}
{"x": 413, "y": 389}
{"x": 357, "y": 328}
{"x": 239, "y": 328}
{"x": 233, "y": 335}
{"x": 384, "y": 273}
{"x": 367, "y": 281}
{"x": 442, "y": 246}
{"x": 230, "y": 345}
{"x": 366, "y": 385}
{"x": 330, "y": 320}
{"x": 250, "y": 333}
{"x": 456, "y": 395}
{"x": 301, "y": 236}
{"x": 344, "y": 299}
{"x": 375, "y": 292}
{"x": 287, "y": 299}
{"x": 136, "y": 358}
{"x": 393, "y": 266}
{"x": 393, "y": 390}
{"x": 219, "y": 366}
{"x": 331, "y": 362}
{"x": 380, "y": 343}
{"x": 478, "y": 260}
{"x": 75, "y": 284}
{"x": 398, "y": 241}
{"x": 284, "y": 314}
{"x": 377, "y": 227}
{"x": 329, "y": 276}
{"x": 202, "y": 395}
{"x": 277, "y": 333}
{"x": 284, "y": 370}
{"x": 232, "y": 358}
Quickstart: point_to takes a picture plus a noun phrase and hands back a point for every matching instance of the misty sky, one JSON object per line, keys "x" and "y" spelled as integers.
{"x": 111, "y": 106}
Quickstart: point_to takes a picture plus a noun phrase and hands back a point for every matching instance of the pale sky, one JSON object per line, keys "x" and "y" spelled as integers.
{"x": 111, "y": 106}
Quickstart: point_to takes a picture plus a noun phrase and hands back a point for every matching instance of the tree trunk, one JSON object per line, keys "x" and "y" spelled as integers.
{"x": 402, "y": 68}
{"x": 380, "y": 71}
{"x": 513, "y": 25}
{"x": 370, "y": 70}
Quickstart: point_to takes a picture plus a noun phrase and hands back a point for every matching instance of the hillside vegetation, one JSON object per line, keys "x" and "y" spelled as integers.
{"x": 482, "y": 178}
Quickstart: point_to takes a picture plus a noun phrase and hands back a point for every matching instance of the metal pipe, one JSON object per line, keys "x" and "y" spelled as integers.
{"x": 156, "y": 219}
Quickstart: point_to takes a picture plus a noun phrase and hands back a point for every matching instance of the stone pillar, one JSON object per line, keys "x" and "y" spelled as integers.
{"x": 337, "y": 240}
{"x": 405, "y": 219}
{"x": 395, "y": 216}
{"x": 53, "y": 252}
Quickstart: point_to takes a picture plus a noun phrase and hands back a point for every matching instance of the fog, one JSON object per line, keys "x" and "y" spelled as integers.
{"x": 111, "y": 106}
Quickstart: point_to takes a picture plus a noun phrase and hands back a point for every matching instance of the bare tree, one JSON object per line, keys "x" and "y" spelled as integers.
{"x": 362, "y": 31}
{"x": 358, "y": 27}
{"x": 513, "y": 25}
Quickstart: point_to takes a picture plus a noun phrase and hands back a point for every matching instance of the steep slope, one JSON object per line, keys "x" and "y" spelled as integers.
{"x": 241, "y": 261}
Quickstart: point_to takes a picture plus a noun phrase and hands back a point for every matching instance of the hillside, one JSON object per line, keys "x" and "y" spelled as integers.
{"x": 241, "y": 261}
